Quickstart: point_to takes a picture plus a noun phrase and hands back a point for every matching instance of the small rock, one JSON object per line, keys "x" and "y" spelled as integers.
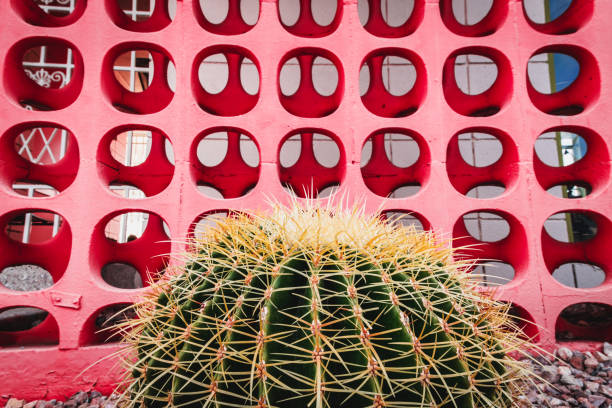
{"x": 80, "y": 397}
{"x": 550, "y": 373}
{"x": 606, "y": 348}
{"x": 598, "y": 401}
{"x": 590, "y": 364}
{"x": 571, "y": 381}
{"x": 601, "y": 357}
{"x": 563, "y": 370}
{"x": 591, "y": 386}
{"x": 31, "y": 404}
{"x": 565, "y": 354}
{"x": 14, "y": 403}
{"x": 577, "y": 360}
{"x": 532, "y": 396}
{"x": 555, "y": 402}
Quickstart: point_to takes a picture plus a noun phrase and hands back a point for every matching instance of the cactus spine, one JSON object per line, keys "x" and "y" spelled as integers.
{"x": 311, "y": 307}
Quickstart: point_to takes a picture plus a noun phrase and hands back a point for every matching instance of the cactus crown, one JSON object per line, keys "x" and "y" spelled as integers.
{"x": 321, "y": 307}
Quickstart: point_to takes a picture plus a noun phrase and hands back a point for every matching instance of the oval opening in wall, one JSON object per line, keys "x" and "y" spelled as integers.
{"x": 560, "y": 148}
{"x": 590, "y": 321}
{"x": 43, "y": 73}
{"x": 121, "y": 275}
{"x": 473, "y": 18}
{"x": 310, "y": 18}
{"x": 127, "y": 241}
{"x": 482, "y": 162}
{"x": 225, "y": 80}
{"x": 486, "y": 191}
{"x": 391, "y": 18}
{"x": 311, "y": 163}
{"x": 134, "y": 70}
{"x": 395, "y": 162}
{"x": 522, "y": 320}
{"x": 143, "y": 16}
{"x": 39, "y": 159}
{"x": 471, "y": 12}
{"x": 102, "y": 326}
{"x": 477, "y": 81}
{"x": 474, "y": 74}
{"x": 225, "y": 162}
{"x": 392, "y": 82}
{"x": 310, "y": 82}
{"x": 543, "y": 76}
{"x": 35, "y": 227}
{"x": 558, "y": 17}
{"x": 571, "y": 226}
{"x": 22, "y": 326}
{"x": 206, "y": 222}
{"x": 406, "y": 219}
{"x": 579, "y": 275}
{"x": 564, "y": 80}
{"x": 49, "y": 13}
{"x": 136, "y": 78}
{"x": 135, "y": 161}
{"x": 571, "y": 162}
{"x": 492, "y": 273}
{"x": 227, "y": 17}
{"x": 25, "y": 278}
{"x": 486, "y": 226}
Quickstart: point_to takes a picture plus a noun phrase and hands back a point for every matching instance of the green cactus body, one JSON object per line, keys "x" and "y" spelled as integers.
{"x": 319, "y": 308}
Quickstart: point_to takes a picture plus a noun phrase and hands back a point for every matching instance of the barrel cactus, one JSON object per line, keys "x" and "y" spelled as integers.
{"x": 321, "y": 307}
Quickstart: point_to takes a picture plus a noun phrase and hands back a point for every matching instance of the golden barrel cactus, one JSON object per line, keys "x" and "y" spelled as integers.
{"x": 321, "y": 307}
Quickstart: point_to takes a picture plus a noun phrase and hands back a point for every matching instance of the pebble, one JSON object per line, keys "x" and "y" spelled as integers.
{"x": 14, "y": 403}
{"x": 81, "y": 399}
{"x": 590, "y": 364}
{"x": 564, "y": 353}
{"x": 550, "y": 373}
{"x": 601, "y": 357}
{"x": 607, "y": 349}
{"x": 575, "y": 379}
{"x": 577, "y": 360}
{"x": 571, "y": 381}
{"x": 564, "y": 370}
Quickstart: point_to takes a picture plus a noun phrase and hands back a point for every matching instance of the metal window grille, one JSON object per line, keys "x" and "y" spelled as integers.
{"x": 48, "y": 73}
{"x": 139, "y": 70}
{"x": 56, "y": 7}
{"x": 138, "y": 10}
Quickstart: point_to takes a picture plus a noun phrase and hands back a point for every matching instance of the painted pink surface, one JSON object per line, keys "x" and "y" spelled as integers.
{"x": 433, "y": 112}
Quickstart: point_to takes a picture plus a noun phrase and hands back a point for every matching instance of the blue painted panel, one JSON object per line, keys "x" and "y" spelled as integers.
{"x": 566, "y": 70}
{"x": 558, "y": 7}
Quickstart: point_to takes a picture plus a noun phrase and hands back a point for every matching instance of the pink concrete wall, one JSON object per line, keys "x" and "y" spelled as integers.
{"x": 49, "y": 359}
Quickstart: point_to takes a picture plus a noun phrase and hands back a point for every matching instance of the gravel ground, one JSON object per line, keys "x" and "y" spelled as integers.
{"x": 574, "y": 379}
{"x": 81, "y": 399}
